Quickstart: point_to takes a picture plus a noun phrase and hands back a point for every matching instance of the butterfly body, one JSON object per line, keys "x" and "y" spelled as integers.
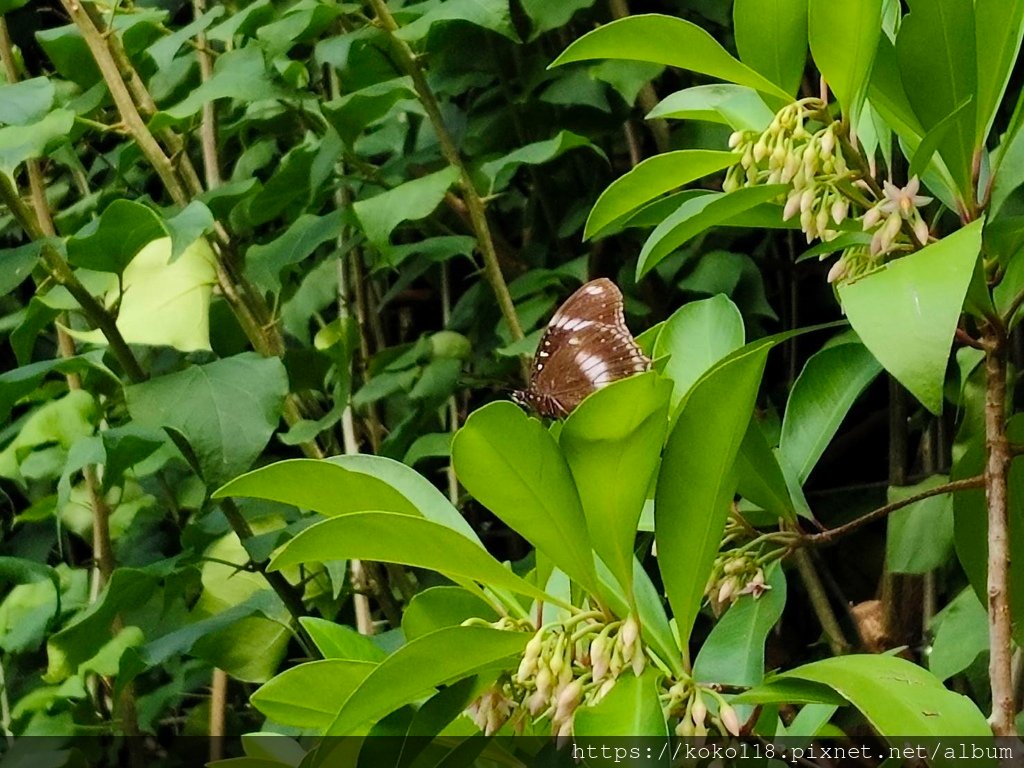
{"x": 586, "y": 346}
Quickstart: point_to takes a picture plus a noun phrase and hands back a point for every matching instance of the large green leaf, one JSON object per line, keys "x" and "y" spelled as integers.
{"x": 699, "y": 214}
{"x": 697, "y": 478}
{"x": 411, "y": 201}
{"x": 110, "y": 242}
{"x": 760, "y": 478}
{"x": 937, "y": 55}
{"x": 612, "y": 443}
{"x": 630, "y": 709}
{"x": 961, "y": 635}
{"x": 666, "y": 40}
{"x": 392, "y": 537}
{"x": 695, "y": 337}
{"x": 264, "y": 262}
{"x": 920, "y": 536}
{"x": 771, "y": 37}
{"x": 737, "y": 106}
{"x": 351, "y": 113}
{"x": 821, "y": 397}
{"x": 896, "y": 696}
{"x": 733, "y": 653}
{"x": 513, "y": 466}
{"x": 998, "y": 28}
{"x": 226, "y": 410}
{"x": 26, "y": 101}
{"x": 310, "y": 695}
{"x": 19, "y": 143}
{"x": 844, "y": 37}
{"x": 907, "y": 312}
{"x": 489, "y": 14}
{"x": 650, "y": 179}
{"x": 439, "y": 658}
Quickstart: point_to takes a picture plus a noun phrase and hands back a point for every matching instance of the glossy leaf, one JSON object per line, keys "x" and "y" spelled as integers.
{"x": 843, "y": 38}
{"x": 896, "y": 696}
{"x": 737, "y": 106}
{"x": 961, "y": 635}
{"x": 694, "y": 338}
{"x": 760, "y": 478}
{"x": 650, "y": 179}
{"x": 351, "y": 113}
{"x": 920, "y": 536}
{"x": 439, "y": 607}
{"x": 733, "y": 653}
{"x": 512, "y": 465}
{"x": 822, "y": 395}
{"x": 612, "y": 442}
{"x": 337, "y": 641}
{"x": 937, "y": 56}
{"x": 630, "y": 709}
{"x": 391, "y": 537}
{"x": 499, "y": 172}
{"x": 697, "y": 478}
{"x": 771, "y": 37}
{"x": 310, "y": 695}
{"x": 439, "y": 658}
{"x": 907, "y": 312}
{"x": 999, "y": 28}
{"x": 666, "y": 40}
{"x": 111, "y": 242}
{"x": 264, "y": 262}
{"x": 699, "y": 214}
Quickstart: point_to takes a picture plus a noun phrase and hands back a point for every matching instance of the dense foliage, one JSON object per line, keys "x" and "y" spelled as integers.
{"x": 269, "y": 271}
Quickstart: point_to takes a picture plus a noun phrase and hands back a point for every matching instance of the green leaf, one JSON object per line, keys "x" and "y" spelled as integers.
{"x": 391, "y": 537}
{"x": 771, "y": 37}
{"x": 19, "y": 143}
{"x": 907, "y": 312}
{"x": 666, "y": 40}
{"x": 760, "y": 479}
{"x": 612, "y": 442}
{"x": 896, "y": 696}
{"x": 264, "y": 263}
{"x": 187, "y": 226}
{"x": 512, "y": 465}
{"x": 237, "y": 74}
{"x": 920, "y": 537}
{"x": 337, "y": 641}
{"x": 931, "y": 141}
{"x": 109, "y": 243}
{"x": 697, "y": 215}
{"x": 546, "y": 15}
{"x": 498, "y": 173}
{"x": 164, "y": 302}
{"x": 310, "y": 695}
{"x": 20, "y": 382}
{"x": 439, "y": 607}
{"x": 733, "y": 653}
{"x": 737, "y": 106}
{"x": 410, "y": 201}
{"x": 697, "y": 479}
{"x": 226, "y": 410}
{"x": 26, "y": 101}
{"x": 631, "y": 709}
{"x": 650, "y": 179}
{"x": 351, "y": 113}
{"x": 694, "y": 338}
{"x": 938, "y": 63}
{"x": 439, "y": 658}
{"x": 844, "y": 37}
{"x": 961, "y": 635}
{"x": 999, "y": 28}
{"x": 166, "y": 48}
{"x": 16, "y": 264}
{"x": 489, "y": 14}
{"x": 822, "y": 395}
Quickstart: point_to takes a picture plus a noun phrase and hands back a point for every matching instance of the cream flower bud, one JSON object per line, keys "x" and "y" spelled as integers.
{"x": 828, "y": 141}
{"x": 699, "y": 711}
{"x": 807, "y": 199}
{"x": 606, "y": 686}
{"x": 639, "y": 662}
{"x": 544, "y": 682}
{"x": 729, "y": 719}
{"x": 760, "y": 150}
{"x": 872, "y": 217}
{"x": 537, "y": 703}
{"x": 792, "y": 205}
{"x": 839, "y": 210}
{"x": 629, "y": 633}
{"x": 684, "y": 729}
{"x": 921, "y": 230}
{"x": 599, "y": 657}
{"x": 726, "y": 590}
{"x": 821, "y": 221}
{"x": 568, "y": 700}
{"x": 735, "y": 138}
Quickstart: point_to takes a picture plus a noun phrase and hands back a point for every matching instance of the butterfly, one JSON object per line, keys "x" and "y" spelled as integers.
{"x": 585, "y": 347}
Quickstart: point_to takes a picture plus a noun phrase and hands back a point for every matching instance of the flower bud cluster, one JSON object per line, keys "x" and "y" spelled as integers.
{"x": 564, "y": 666}
{"x": 735, "y": 573}
{"x": 688, "y": 701}
{"x": 797, "y": 150}
{"x": 811, "y": 162}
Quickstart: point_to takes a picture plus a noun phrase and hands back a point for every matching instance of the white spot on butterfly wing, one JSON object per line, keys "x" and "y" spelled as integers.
{"x": 593, "y": 367}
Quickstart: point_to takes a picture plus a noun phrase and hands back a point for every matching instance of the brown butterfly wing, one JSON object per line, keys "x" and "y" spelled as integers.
{"x": 586, "y": 346}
